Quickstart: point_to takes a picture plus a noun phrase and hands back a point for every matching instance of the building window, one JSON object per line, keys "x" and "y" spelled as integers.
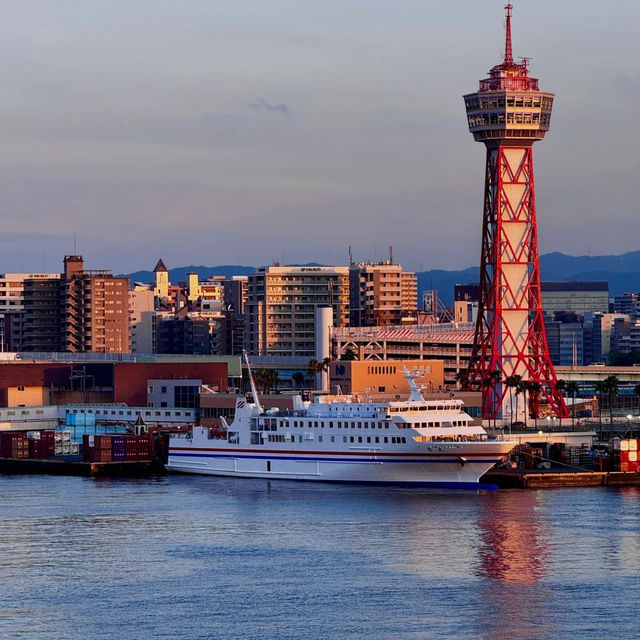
{"x": 184, "y": 397}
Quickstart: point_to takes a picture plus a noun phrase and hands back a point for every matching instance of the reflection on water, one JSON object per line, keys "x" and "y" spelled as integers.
{"x": 514, "y": 554}
{"x": 513, "y": 546}
{"x": 187, "y": 557}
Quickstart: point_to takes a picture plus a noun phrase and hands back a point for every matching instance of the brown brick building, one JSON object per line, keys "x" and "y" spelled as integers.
{"x": 96, "y": 309}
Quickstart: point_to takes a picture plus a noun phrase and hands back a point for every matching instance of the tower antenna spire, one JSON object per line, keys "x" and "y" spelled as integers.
{"x": 508, "y": 51}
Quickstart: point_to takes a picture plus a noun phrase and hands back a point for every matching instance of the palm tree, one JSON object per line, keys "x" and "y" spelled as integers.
{"x": 571, "y": 388}
{"x": 312, "y": 367}
{"x": 461, "y": 378}
{"x": 349, "y": 354}
{"x": 298, "y": 378}
{"x": 318, "y": 366}
{"x": 489, "y": 382}
{"x": 512, "y": 383}
{"x": 600, "y": 388}
{"x": 612, "y": 386}
{"x": 560, "y": 386}
{"x": 274, "y": 379}
{"x": 522, "y": 388}
{"x": 261, "y": 378}
{"x": 535, "y": 389}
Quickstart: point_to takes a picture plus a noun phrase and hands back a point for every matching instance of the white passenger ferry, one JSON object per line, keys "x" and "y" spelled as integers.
{"x": 414, "y": 442}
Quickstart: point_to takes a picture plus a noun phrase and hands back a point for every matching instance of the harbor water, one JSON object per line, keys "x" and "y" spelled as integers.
{"x": 188, "y": 557}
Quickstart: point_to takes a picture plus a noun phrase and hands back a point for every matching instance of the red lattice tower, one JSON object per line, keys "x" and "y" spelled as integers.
{"x": 509, "y": 113}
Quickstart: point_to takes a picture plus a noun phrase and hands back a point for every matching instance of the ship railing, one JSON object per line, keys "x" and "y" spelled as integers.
{"x": 504, "y": 437}
{"x": 182, "y": 436}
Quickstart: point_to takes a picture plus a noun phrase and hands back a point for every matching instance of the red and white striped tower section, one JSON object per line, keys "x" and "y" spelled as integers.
{"x": 509, "y": 113}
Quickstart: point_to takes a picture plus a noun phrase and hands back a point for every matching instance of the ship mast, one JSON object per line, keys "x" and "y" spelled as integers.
{"x": 254, "y": 391}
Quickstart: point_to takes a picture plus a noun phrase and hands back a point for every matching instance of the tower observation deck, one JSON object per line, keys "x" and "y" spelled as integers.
{"x": 508, "y": 114}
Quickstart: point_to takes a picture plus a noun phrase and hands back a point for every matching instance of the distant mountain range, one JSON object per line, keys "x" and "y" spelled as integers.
{"x": 621, "y": 272}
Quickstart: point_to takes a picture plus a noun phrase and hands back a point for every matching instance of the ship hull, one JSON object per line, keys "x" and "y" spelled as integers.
{"x": 461, "y": 470}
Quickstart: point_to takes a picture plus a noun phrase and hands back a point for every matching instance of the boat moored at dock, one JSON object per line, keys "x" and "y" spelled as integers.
{"x": 411, "y": 442}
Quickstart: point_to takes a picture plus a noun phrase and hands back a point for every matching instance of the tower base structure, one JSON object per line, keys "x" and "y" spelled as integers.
{"x": 510, "y": 346}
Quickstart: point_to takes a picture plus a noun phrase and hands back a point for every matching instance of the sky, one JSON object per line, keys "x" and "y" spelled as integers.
{"x": 215, "y": 132}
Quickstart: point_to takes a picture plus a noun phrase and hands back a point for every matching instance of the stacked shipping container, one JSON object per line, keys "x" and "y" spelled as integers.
{"x": 624, "y": 455}
{"x": 117, "y": 448}
{"x": 14, "y": 444}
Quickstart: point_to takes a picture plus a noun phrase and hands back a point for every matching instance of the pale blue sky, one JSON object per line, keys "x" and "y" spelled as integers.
{"x": 213, "y": 132}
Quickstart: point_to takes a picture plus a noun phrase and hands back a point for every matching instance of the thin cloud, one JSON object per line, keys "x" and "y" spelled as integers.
{"x": 263, "y": 105}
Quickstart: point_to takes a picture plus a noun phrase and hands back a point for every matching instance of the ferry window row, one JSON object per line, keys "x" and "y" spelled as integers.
{"x": 345, "y": 439}
{"x": 339, "y": 424}
{"x": 369, "y": 439}
{"x": 426, "y": 425}
{"x": 373, "y": 439}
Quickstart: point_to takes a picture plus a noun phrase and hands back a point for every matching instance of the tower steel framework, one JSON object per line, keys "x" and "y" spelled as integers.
{"x": 508, "y": 114}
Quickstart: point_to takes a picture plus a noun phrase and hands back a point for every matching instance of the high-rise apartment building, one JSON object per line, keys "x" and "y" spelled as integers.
{"x": 78, "y": 310}
{"x": 40, "y": 324}
{"x": 96, "y": 309}
{"x": 381, "y": 294}
{"x": 281, "y": 306}
{"x": 40, "y": 288}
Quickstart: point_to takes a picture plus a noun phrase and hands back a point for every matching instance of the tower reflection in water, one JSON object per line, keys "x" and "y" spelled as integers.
{"x": 513, "y": 555}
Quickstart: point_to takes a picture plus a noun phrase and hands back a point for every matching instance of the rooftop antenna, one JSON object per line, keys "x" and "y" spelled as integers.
{"x": 350, "y": 256}
{"x": 390, "y": 255}
{"x": 74, "y": 244}
{"x": 508, "y": 51}
{"x": 254, "y": 391}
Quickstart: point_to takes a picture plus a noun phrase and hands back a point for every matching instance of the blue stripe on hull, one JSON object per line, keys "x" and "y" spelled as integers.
{"x": 370, "y": 458}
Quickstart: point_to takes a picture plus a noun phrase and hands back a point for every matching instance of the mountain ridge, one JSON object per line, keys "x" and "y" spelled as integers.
{"x": 622, "y": 272}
